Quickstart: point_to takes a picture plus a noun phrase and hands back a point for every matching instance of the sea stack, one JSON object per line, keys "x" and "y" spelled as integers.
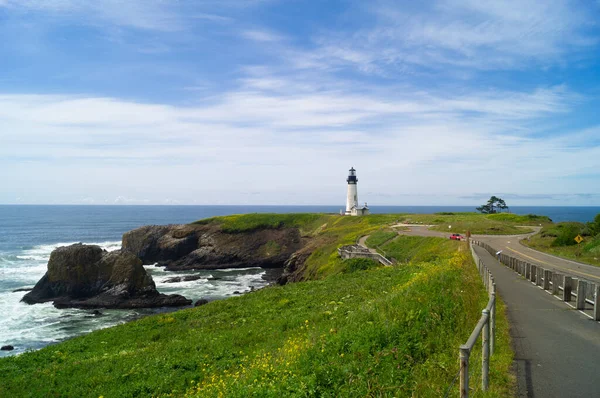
{"x": 86, "y": 276}
{"x": 352, "y": 208}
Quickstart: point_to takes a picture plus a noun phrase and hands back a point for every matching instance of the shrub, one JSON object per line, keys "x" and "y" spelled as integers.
{"x": 360, "y": 264}
{"x": 567, "y": 233}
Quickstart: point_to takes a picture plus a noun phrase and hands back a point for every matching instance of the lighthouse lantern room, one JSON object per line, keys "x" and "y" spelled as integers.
{"x": 352, "y": 208}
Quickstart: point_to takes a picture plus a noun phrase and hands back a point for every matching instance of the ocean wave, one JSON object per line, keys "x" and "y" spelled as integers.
{"x": 42, "y": 252}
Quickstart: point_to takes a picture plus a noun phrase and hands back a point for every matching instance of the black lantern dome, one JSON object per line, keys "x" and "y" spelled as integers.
{"x": 352, "y": 176}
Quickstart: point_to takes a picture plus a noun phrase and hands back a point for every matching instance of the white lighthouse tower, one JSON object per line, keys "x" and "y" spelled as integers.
{"x": 352, "y": 208}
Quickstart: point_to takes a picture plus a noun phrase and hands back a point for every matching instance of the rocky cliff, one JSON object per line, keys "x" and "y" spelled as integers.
{"x": 86, "y": 276}
{"x": 206, "y": 246}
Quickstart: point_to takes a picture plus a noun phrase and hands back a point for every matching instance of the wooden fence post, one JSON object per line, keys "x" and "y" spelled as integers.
{"x": 493, "y": 321}
{"x": 485, "y": 352}
{"x": 464, "y": 371}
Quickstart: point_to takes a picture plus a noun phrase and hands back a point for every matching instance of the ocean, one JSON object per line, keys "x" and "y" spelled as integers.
{"x": 29, "y": 233}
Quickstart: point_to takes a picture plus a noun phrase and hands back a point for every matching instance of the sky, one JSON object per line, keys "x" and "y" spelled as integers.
{"x": 272, "y": 101}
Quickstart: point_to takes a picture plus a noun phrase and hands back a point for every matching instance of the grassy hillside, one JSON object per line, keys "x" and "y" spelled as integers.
{"x": 380, "y": 332}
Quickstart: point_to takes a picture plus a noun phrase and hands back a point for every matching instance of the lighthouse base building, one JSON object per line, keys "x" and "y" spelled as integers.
{"x": 352, "y": 207}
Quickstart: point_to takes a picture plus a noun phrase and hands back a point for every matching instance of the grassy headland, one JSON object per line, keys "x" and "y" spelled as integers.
{"x": 383, "y": 331}
{"x": 483, "y": 224}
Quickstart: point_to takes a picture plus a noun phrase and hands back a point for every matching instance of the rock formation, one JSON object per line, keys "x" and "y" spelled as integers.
{"x": 206, "y": 246}
{"x": 86, "y": 276}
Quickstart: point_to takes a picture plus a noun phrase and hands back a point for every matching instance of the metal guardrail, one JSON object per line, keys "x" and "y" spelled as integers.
{"x": 585, "y": 292}
{"x": 485, "y": 327}
{"x": 356, "y": 251}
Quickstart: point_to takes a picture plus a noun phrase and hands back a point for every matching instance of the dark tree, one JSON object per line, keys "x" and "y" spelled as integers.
{"x": 493, "y": 205}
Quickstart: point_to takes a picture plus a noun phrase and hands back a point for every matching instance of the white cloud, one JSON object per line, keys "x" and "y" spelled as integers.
{"x": 420, "y": 143}
{"x": 511, "y": 34}
{"x": 262, "y": 36}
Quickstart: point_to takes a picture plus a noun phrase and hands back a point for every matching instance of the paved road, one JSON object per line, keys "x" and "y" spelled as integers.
{"x": 510, "y": 245}
{"x": 557, "y": 349}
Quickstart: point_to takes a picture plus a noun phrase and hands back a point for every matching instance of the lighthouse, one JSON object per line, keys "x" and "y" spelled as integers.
{"x": 352, "y": 208}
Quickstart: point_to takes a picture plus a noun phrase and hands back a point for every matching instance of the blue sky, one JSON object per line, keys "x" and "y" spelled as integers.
{"x": 271, "y": 101}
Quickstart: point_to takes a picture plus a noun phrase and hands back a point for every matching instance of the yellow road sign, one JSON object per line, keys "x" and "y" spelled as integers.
{"x": 578, "y": 239}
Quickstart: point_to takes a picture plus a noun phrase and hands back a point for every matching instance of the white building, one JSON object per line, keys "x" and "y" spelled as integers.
{"x": 352, "y": 208}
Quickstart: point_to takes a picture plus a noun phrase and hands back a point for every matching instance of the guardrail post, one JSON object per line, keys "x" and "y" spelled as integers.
{"x": 567, "y": 282}
{"x": 538, "y": 277}
{"x": 580, "y": 294}
{"x": 485, "y": 352}
{"x": 522, "y": 267}
{"x": 527, "y": 271}
{"x": 547, "y": 277}
{"x": 555, "y": 282}
{"x": 597, "y": 302}
{"x": 533, "y": 273}
{"x": 464, "y": 371}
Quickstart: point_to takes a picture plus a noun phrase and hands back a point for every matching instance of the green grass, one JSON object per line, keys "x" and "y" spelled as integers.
{"x": 414, "y": 248}
{"x": 388, "y": 331}
{"x": 360, "y": 264}
{"x": 250, "y": 222}
{"x": 483, "y": 224}
{"x": 377, "y": 238}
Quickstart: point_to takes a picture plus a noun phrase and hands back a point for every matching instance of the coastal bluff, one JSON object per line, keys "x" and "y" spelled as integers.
{"x": 86, "y": 276}
{"x": 208, "y": 246}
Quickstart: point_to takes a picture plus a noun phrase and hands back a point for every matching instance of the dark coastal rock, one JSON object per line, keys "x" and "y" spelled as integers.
{"x": 206, "y": 246}
{"x": 200, "y": 302}
{"x": 159, "y": 243}
{"x": 7, "y": 348}
{"x": 293, "y": 268}
{"x": 86, "y": 276}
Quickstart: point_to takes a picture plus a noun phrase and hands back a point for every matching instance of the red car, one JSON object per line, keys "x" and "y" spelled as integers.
{"x": 456, "y": 237}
